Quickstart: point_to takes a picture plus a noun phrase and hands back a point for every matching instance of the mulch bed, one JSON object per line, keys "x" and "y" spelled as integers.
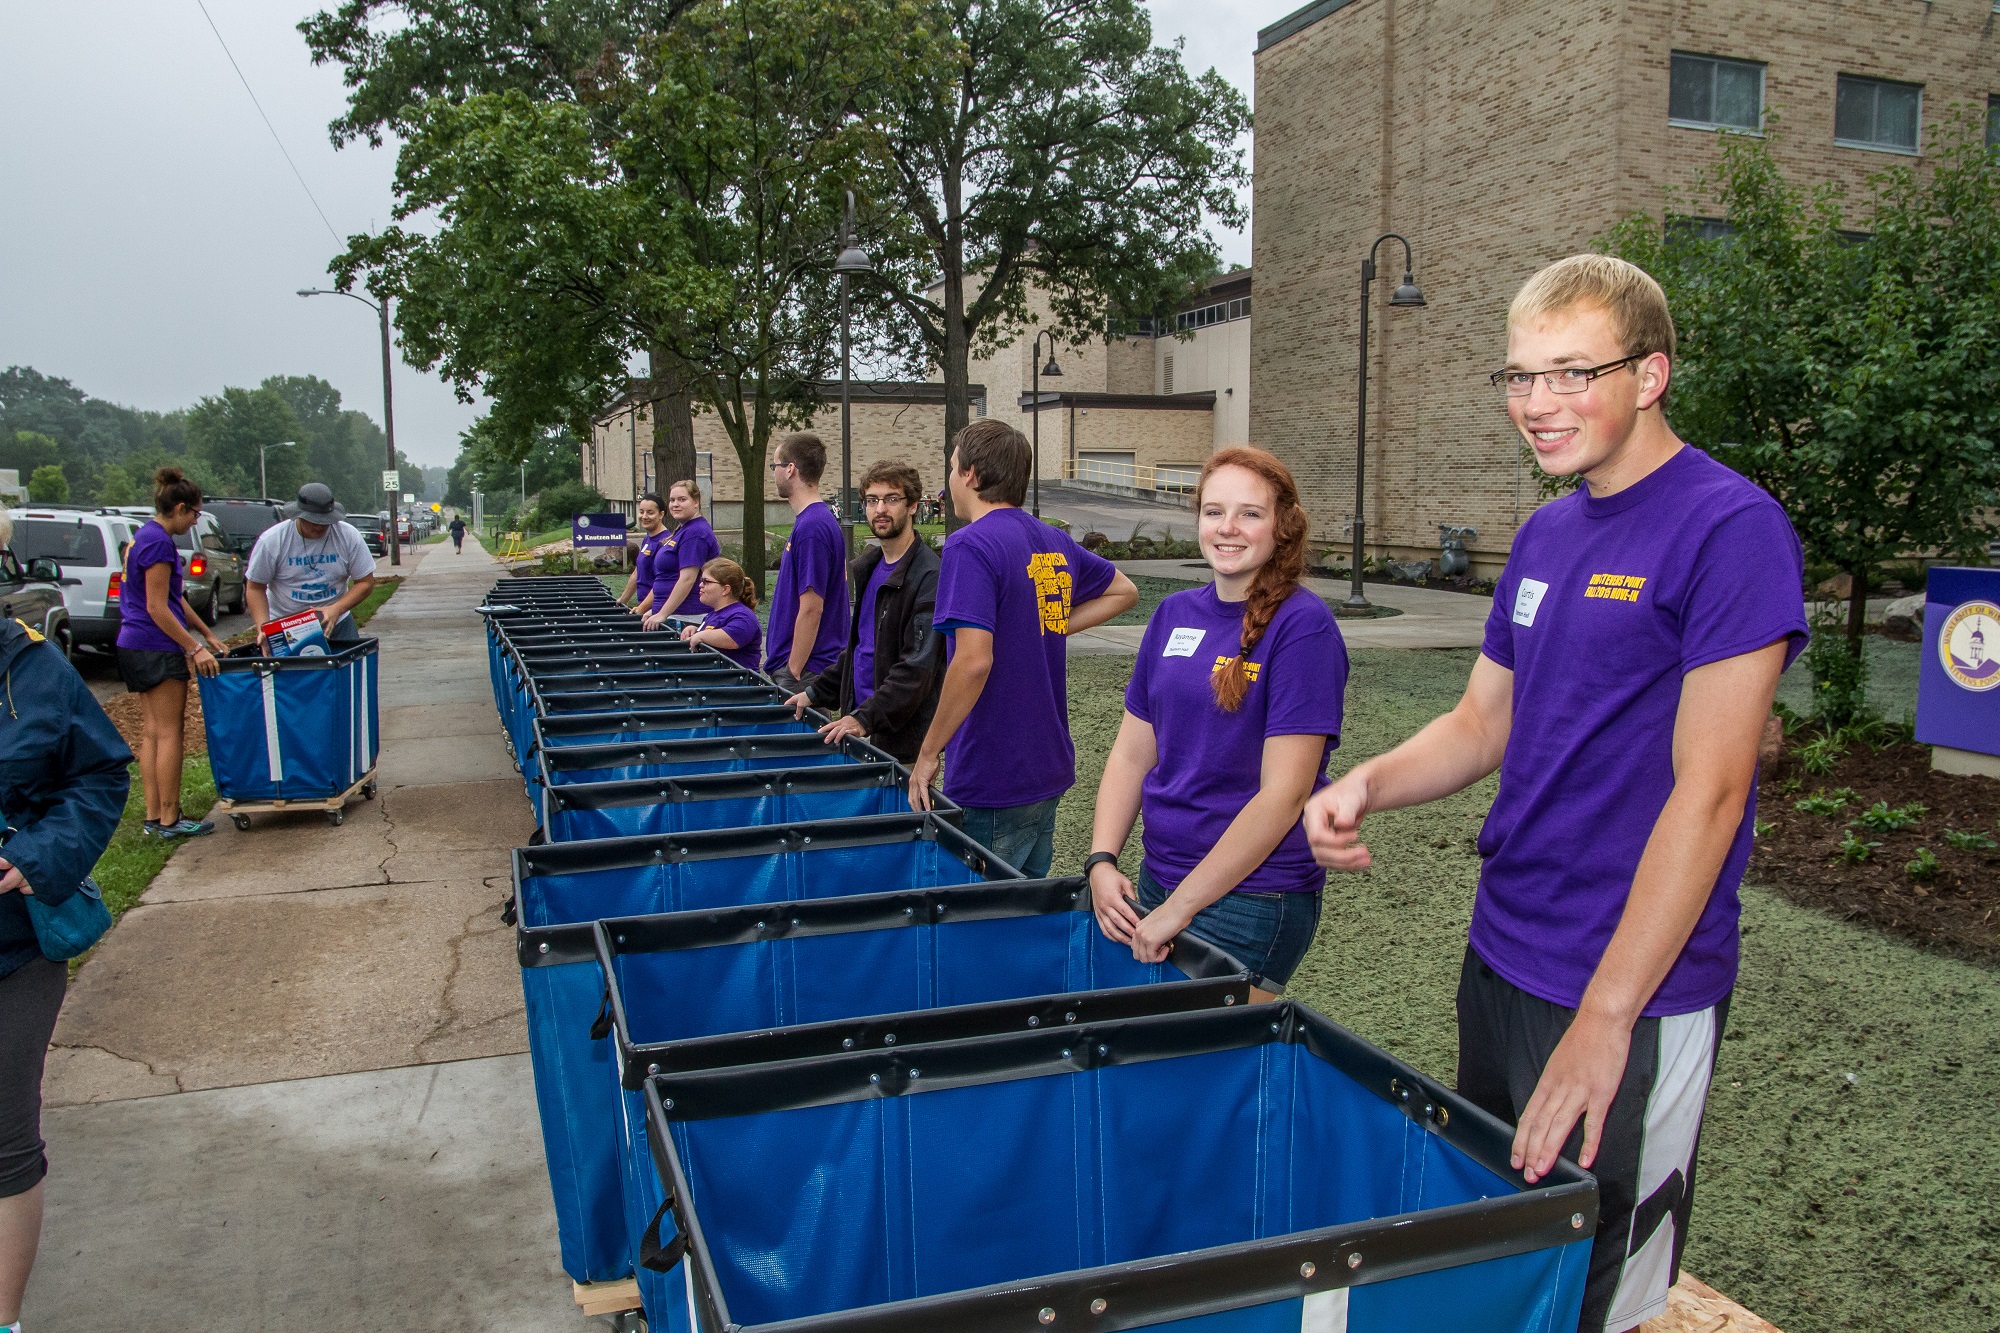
{"x": 1955, "y": 912}
{"x": 127, "y": 714}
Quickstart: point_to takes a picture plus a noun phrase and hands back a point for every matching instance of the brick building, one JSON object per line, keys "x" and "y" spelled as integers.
{"x": 1498, "y": 136}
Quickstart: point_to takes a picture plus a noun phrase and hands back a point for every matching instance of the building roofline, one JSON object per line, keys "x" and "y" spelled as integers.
{"x": 862, "y": 391}
{"x": 1298, "y": 21}
{"x": 1203, "y": 401}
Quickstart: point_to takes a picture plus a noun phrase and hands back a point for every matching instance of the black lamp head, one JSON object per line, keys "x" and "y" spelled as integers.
{"x": 1406, "y": 291}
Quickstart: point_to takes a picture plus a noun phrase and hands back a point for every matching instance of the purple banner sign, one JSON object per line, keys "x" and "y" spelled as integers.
{"x": 597, "y": 530}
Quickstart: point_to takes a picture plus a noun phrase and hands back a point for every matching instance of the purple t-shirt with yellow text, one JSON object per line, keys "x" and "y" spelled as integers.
{"x": 1017, "y": 577}
{"x": 1605, "y": 605}
{"x": 690, "y": 546}
{"x": 739, "y": 622}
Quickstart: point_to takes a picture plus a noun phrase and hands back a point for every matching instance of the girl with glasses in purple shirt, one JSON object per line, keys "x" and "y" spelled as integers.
{"x": 1233, "y": 710}
{"x": 731, "y": 623}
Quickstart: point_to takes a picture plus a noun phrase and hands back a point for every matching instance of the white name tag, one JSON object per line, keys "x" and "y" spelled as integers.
{"x": 1527, "y": 599}
{"x": 1183, "y": 642}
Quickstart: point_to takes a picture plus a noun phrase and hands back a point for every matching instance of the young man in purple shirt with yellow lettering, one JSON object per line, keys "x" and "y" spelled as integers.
{"x": 1637, "y": 637}
{"x": 809, "y": 604}
{"x": 1011, "y": 592}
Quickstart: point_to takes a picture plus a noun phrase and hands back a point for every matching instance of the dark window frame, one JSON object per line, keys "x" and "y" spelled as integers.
{"x": 1709, "y": 122}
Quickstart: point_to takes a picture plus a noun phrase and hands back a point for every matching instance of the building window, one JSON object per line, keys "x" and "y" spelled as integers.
{"x": 1698, "y": 229}
{"x": 1220, "y": 313}
{"x": 1874, "y": 113}
{"x": 1706, "y": 92}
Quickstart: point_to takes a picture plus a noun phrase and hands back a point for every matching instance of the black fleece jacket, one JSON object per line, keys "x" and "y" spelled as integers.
{"x": 909, "y": 652}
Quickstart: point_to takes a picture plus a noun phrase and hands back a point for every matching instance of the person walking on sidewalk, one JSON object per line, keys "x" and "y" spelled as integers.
{"x": 315, "y": 561}
{"x": 1233, "y": 710}
{"x": 731, "y": 623}
{"x": 682, "y": 553}
{"x": 62, "y": 788}
{"x": 887, "y": 678}
{"x": 1011, "y": 590}
{"x": 1635, "y": 642}
{"x": 638, "y": 590}
{"x": 809, "y": 605}
{"x": 159, "y": 651}
{"x": 457, "y": 534}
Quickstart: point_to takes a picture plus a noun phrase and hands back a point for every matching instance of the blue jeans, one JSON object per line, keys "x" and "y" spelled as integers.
{"x": 1024, "y": 836}
{"x": 1266, "y": 932}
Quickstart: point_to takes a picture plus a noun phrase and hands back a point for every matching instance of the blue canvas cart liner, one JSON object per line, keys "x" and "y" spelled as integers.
{"x": 709, "y": 754}
{"x": 525, "y": 706}
{"x": 680, "y": 676}
{"x": 792, "y": 980}
{"x": 662, "y": 723}
{"x": 645, "y": 807}
{"x": 292, "y": 728}
{"x": 562, "y": 889}
{"x": 1236, "y": 1170}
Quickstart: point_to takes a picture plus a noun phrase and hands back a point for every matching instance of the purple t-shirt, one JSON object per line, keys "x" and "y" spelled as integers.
{"x": 739, "y": 622}
{"x": 1210, "y": 761}
{"x": 815, "y": 560}
{"x": 690, "y": 546}
{"x": 151, "y": 545}
{"x": 864, "y": 644}
{"x": 1604, "y": 606}
{"x": 1014, "y": 575}
{"x": 642, "y": 565}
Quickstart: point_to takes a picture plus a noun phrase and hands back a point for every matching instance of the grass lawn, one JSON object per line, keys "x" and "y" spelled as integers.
{"x": 1851, "y": 1158}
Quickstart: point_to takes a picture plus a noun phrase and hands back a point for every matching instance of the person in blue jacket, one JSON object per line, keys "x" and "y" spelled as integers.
{"x": 63, "y": 781}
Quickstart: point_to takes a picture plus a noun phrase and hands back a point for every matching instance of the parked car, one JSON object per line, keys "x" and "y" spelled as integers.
{"x": 32, "y": 593}
{"x": 211, "y": 565}
{"x": 243, "y": 521}
{"x": 89, "y": 547}
{"x": 370, "y": 528}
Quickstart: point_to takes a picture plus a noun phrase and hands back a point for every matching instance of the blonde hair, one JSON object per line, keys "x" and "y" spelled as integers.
{"x": 688, "y": 484}
{"x": 1626, "y": 292}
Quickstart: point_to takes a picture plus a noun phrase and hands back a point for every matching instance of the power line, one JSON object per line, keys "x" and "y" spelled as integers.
{"x": 267, "y": 121}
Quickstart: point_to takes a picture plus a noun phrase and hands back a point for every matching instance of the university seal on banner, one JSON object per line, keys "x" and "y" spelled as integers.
{"x": 1969, "y": 646}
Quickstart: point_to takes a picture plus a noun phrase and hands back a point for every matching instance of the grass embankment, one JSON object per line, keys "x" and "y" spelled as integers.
{"x": 132, "y": 859}
{"x": 1851, "y": 1156}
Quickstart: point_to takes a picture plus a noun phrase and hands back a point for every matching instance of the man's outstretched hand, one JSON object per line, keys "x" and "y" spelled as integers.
{"x": 1580, "y": 1079}
{"x": 1333, "y": 824}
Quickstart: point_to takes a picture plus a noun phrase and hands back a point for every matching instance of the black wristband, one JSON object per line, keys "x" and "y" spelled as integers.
{"x": 1099, "y": 859}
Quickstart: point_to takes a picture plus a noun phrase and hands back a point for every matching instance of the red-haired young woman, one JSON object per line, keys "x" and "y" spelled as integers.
{"x": 1233, "y": 710}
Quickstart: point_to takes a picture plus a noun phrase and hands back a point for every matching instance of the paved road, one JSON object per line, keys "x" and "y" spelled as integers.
{"x": 1114, "y": 515}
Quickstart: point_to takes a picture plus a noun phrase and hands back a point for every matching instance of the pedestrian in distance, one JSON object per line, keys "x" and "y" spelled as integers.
{"x": 457, "y": 534}
{"x": 314, "y": 561}
{"x": 731, "y": 623}
{"x": 162, "y": 644}
{"x": 886, "y": 680}
{"x": 1232, "y": 712}
{"x": 63, "y": 785}
{"x": 1636, "y": 640}
{"x": 809, "y": 605}
{"x": 1011, "y": 591}
{"x": 682, "y": 553}
{"x": 638, "y": 590}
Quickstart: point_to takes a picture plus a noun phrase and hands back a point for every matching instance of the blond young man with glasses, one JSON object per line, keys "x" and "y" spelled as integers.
{"x": 1637, "y": 635}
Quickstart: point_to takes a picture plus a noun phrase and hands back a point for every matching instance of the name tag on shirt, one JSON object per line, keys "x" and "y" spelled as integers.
{"x": 1183, "y": 642}
{"x": 1528, "y": 599}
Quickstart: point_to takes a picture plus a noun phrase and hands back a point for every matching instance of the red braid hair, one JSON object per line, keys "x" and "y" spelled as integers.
{"x": 1279, "y": 577}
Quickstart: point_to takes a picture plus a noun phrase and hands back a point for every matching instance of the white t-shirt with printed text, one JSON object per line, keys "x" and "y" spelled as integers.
{"x": 301, "y": 573}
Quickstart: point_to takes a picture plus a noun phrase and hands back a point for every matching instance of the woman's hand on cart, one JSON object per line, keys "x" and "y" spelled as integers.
{"x": 203, "y": 660}
{"x": 1111, "y": 898}
{"x": 1153, "y": 937}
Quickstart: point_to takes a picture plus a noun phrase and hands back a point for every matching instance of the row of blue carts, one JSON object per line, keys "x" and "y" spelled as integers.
{"x": 806, "y": 1059}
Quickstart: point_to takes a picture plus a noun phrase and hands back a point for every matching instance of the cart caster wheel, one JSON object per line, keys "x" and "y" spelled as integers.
{"x": 242, "y": 822}
{"x": 336, "y": 817}
{"x": 368, "y": 792}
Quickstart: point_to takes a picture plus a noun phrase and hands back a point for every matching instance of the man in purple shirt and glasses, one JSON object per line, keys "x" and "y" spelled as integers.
{"x": 1636, "y": 639}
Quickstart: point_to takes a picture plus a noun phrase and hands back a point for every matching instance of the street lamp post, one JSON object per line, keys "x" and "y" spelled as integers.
{"x": 264, "y": 487}
{"x": 1406, "y": 295}
{"x": 853, "y": 259}
{"x": 1035, "y": 372}
{"x": 381, "y": 310}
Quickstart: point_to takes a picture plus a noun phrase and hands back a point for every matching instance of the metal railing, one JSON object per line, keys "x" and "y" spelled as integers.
{"x": 1163, "y": 478}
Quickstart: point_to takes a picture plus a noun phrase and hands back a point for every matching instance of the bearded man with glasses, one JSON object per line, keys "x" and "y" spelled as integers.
{"x": 1636, "y": 640}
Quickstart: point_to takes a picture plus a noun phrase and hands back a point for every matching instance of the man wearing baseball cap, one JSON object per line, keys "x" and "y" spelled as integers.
{"x": 315, "y": 562}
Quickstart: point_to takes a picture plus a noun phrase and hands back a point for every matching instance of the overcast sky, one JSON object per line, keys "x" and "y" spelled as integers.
{"x": 153, "y": 235}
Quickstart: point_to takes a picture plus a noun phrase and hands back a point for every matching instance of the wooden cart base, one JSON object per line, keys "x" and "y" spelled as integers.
{"x": 239, "y": 812}
{"x": 618, "y": 1300}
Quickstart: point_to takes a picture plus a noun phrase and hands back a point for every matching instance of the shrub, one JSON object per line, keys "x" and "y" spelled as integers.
{"x": 1854, "y": 851}
{"x": 1882, "y": 819}
{"x": 1924, "y": 867}
{"x": 557, "y": 504}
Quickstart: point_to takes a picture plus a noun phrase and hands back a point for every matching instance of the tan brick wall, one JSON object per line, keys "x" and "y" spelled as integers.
{"x": 1499, "y": 137}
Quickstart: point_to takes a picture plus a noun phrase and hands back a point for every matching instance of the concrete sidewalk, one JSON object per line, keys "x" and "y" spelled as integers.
{"x": 287, "y": 1091}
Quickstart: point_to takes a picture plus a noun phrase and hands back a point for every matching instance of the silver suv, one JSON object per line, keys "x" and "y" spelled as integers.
{"x": 89, "y": 545}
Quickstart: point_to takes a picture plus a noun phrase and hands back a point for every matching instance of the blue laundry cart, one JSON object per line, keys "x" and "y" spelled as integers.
{"x": 644, "y": 807}
{"x": 293, "y": 733}
{"x": 1247, "y": 1169}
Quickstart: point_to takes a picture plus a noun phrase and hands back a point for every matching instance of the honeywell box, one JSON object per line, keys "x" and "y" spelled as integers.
{"x": 296, "y": 635}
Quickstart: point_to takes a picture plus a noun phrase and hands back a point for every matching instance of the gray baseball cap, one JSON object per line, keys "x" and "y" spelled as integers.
{"x": 315, "y": 504}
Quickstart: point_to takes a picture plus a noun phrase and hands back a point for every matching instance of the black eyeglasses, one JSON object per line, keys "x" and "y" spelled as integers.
{"x": 1564, "y": 379}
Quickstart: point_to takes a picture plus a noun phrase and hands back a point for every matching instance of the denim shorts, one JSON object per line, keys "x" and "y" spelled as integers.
{"x": 1024, "y": 836}
{"x": 1266, "y": 932}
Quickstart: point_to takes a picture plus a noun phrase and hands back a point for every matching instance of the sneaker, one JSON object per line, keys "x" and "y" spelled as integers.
{"x": 186, "y": 828}
{"x": 149, "y": 829}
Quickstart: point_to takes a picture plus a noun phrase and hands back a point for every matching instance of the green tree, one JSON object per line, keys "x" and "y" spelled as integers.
{"x": 27, "y": 450}
{"x": 1060, "y": 148}
{"x": 48, "y": 486}
{"x": 224, "y": 432}
{"x": 1848, "y": 361}
{"x": 115, "y": 486}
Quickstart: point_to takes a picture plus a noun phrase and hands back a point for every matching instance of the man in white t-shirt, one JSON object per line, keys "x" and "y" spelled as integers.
{"x": 315, "y": 562}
